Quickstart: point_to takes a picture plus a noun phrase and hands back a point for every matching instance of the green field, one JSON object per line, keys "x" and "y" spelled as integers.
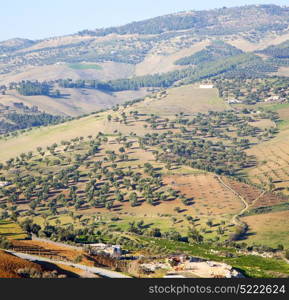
{"x": 45, "y": 136}
{"x": 188, "y": 99}
{"x": 213, "y": 204}
{"x": 11, "y": 230}
{"x": 85, "y": 67}
{"x": 276, "y": 107}
{"x": 283, "y": 110}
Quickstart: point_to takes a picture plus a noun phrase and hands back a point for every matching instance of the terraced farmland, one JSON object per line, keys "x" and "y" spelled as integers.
{"x": 210, "y": 197}
{"x": 254, "y": 196}
{"x": 273, "y": 165}
{"x": 11, "y": 230}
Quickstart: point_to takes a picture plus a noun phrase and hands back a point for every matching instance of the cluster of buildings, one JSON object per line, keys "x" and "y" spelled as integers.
{"x": 182, "y": 266}
{"x": 276, "y": 99}
{"x": 206, "y": 86}
{"x": 272, "y": 99}
{"x": 234, "y": 101}
{"x": 3, "y": 183}
{"x": 114, "y": 251}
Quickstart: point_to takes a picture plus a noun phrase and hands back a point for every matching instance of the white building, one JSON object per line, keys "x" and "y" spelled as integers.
{"x": 206, "y": 86}
{"x": 174, "y": 276}
{"x": 232, "y": 101}
{"x": 272, "y": 99}
{"x": 112, "y": 250}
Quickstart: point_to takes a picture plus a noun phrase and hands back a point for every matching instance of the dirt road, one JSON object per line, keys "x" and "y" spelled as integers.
{"x": 95, "y": 270}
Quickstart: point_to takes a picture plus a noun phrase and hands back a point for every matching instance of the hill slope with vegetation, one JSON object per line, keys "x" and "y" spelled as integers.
{"x": 188, "y": 154}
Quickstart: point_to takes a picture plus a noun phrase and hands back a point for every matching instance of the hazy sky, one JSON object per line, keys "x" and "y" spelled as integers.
{"x": 36, "y": 19}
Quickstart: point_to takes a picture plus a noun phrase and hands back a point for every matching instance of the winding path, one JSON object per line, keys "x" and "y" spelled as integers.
{"x": 95, "y": 270}
{"x": 235, "y": 218}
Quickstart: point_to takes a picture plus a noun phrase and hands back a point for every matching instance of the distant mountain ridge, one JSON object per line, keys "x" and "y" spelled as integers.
{"x": 132, "y": 42}
{"x": 202, "y": 20}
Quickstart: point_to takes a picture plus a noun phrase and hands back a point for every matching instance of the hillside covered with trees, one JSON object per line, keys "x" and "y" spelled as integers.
{"x": 132, "y": 43}
{"x": 163, "y": 136}
{"x": 20, "y": 117}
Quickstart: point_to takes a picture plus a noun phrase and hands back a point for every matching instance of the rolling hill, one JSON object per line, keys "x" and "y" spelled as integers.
{"x": 153, "y": 46}
{"x": 163, "y": 136}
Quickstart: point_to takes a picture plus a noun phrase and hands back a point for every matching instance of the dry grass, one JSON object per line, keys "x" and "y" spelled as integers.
{"x": 246, "y": 46}
{"x": 210, "y": 197}
{"x": 11, "y": 230}
{"x": 263, "y": 124}
{"x": 283, "y": 71}
{"x": 78, "y": 272}
{"x": 273, "y": 161}
{"x": 189, "y": 99}
{"x": 75, "y": 101}
{"x": 255, "y": 197}
{"x": 269, "y": 229}
{"x": 108, "y": 71}
{"x": 46, "y": 136}
{"x": 58, "y": 41}
{"x": 9, "y": 264}
{"x": 165, "y": 63}
{"x": 51, "y": 250}
{"x": 273, "y": 155}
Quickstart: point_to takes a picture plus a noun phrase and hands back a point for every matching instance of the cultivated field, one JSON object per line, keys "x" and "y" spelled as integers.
{"x": 74, "y": 102}
{"x": 273, "y": 160}
{"x": 188, "y": 99}
{"x": 210, "y": 201}
{"x": 46, "y": 136}
{"x": 268, "y": 229}
{"x": 11, "y": 230}
{"x": 157, "y": 63}
{"x": 85, "y": 66}
{"x": 212, "y": 206}
{"x": 107, "y": 71}
{"x": 270, "y": 39}
{"x": 255, "y": 197}
{"x": 52, "y": 251}
{"x": 210, "y": 197}
{"x": 273, "y": 156}
{"x": 14, "y": 267}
